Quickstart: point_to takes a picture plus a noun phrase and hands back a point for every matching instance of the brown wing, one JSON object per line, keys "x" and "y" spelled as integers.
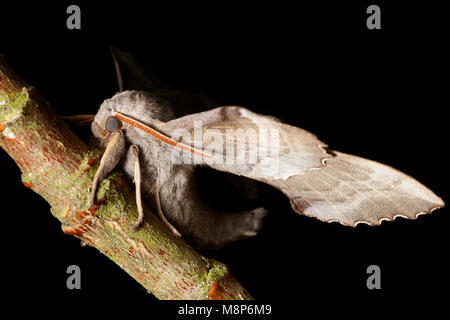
{"x": 353, "y": 190}
{"x": 245, "y": 143}
{"x": 341, "y": 188}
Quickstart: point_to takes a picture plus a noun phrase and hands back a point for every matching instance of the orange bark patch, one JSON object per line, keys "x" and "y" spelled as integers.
{"x": 78, "y": 230}
{"x": 80, "y": 214}
{"x": 82, "y": 217}
{"x": 96, "y": 206}
{"x": 186, "y": 283}
{"x": 131, "y": 252}
{"x": 215, "y": 292}
{"x": 27, "y": 184}
{"x": 89, "y": 162}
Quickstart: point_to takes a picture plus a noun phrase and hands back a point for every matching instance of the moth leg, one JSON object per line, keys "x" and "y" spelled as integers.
{"x": 137, "y": 183}
{"x": 110, "y": 158}
{"x": 155, "y": 190}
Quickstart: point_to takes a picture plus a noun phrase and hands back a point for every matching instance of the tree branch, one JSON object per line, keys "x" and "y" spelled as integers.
{"x": 57, "y": 165}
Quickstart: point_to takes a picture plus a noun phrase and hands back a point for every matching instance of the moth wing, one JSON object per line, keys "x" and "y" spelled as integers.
{"x": 246, "y": 143}
{"x": 352, "y": 190}
{"x": 338, "y": 187}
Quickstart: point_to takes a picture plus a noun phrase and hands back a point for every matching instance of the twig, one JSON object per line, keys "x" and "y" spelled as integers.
{"x": 60, "y": 167}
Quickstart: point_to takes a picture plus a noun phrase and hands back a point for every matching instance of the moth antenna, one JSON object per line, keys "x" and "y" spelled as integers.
{"x": 79, "y": 119}
{"x": 117, "y": 67}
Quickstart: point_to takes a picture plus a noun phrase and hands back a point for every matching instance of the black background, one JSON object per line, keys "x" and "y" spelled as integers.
{"x": 379, "y": 94}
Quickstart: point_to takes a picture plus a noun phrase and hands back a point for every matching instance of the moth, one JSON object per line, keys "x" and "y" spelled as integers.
{"x": 159, "y": 152}
{"x": 139, "y": 133}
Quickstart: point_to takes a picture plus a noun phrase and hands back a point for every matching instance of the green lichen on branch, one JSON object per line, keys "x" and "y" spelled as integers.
{"x": 12, "y": 105}
{"x": 81, "y": 178}
{"x": 216, "y": 271}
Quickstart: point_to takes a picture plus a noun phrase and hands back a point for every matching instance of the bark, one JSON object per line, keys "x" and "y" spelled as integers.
{"x": 60, "y": 167}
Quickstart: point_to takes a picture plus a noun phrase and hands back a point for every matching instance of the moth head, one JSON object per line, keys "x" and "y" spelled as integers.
{"x": 102, "y": 133}
{"x": 139, "y": 105}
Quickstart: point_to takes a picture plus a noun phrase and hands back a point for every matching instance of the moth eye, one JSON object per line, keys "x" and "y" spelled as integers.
{"x": 113, "y": 124}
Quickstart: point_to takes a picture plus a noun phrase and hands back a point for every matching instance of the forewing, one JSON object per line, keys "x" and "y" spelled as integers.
{"x": 353, "y": 190}
{"x": 342, "y": 187}
{"x": 245, "y": 143}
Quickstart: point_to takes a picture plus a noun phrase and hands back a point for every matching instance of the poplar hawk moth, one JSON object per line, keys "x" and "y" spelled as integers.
{"x": 160, "y": 152}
